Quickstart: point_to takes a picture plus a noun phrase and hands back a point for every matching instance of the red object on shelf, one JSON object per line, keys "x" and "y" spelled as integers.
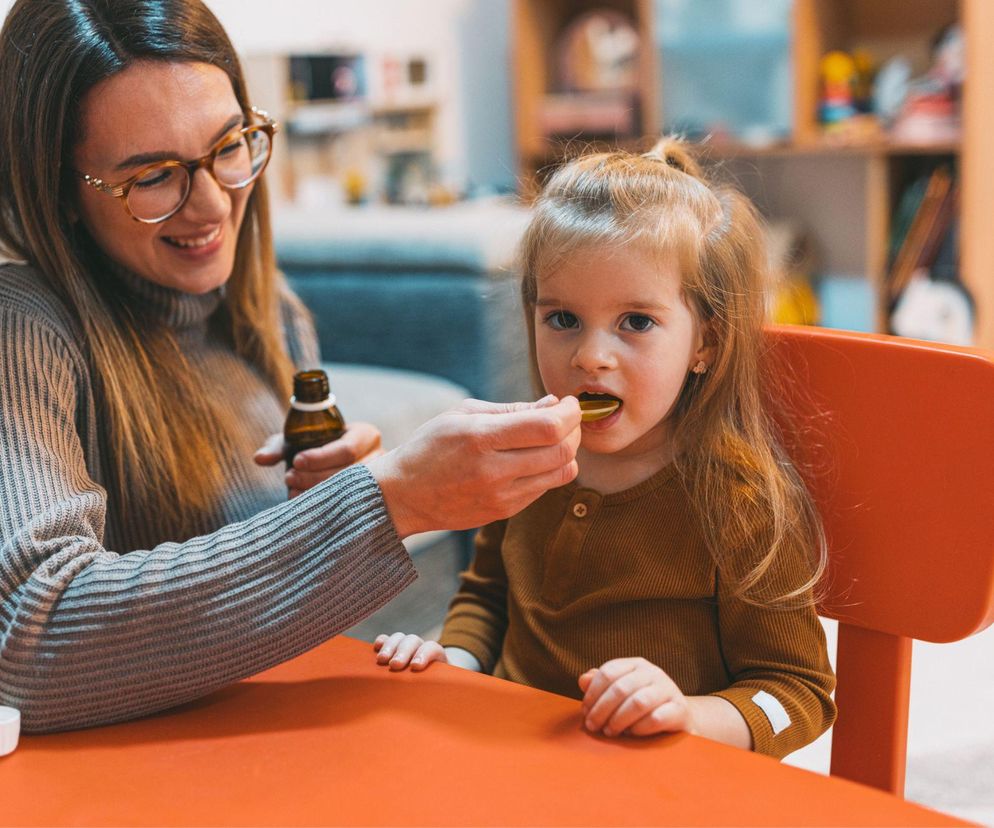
{"x": 588, "y": 113}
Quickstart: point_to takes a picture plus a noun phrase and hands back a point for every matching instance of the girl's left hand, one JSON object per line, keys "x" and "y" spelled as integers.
{"x": 635, "y": 697}
{"x": 360, "y": 443}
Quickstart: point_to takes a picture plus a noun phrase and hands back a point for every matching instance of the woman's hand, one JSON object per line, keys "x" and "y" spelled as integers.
{"x": 633, "y": 696}
{"x": 400, "y": 650}
{"x": 359, "y": 444}
{"x": 478, "y": 463}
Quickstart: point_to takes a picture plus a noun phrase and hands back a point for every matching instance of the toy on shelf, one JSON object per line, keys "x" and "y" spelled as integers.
{"x": 866, "y": 69}
{"x": 846, "y": 82}
{"x": 792, "y": 299}
{"x": 838, "y": 81}
{"x": 930, "y": 111}
{"x": 890, "y": 88}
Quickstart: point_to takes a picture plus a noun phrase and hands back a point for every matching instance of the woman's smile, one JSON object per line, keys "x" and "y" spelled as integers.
{"x": 187, "y": 242}
{"x": 200, "y": 248}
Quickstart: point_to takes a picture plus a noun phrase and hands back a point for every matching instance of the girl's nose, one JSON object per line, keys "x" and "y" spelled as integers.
{"x": 594, "y": 354}
{"x": 208, "y": 201}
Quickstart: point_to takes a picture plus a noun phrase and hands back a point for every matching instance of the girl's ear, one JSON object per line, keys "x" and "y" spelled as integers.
{"x": 707, "y": 344}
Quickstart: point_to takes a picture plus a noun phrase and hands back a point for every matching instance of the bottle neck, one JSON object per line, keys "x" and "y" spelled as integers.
{"x": 321, "y": 405}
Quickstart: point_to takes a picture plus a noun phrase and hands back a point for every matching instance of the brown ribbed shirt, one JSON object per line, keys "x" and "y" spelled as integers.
{"x": 579, "y": 578}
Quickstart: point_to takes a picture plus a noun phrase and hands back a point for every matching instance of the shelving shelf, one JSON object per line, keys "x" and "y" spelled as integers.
{"x": 884, "y": 148}
{"x": 884, "y": 27}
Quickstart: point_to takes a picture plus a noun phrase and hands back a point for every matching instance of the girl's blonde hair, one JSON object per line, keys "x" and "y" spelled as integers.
{"x": 751, "y": 500}
{"x": 164, "y": 453}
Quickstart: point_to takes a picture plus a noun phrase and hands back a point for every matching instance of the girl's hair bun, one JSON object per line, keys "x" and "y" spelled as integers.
{"x": 675, "y": 153}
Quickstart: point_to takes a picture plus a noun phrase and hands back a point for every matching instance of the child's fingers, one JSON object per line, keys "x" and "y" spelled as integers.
{"x": 404, "y": 651}
{"x": 605, "y": 677}
{"x": 585, "y": 679}
{"x": 427, "y": 653}
{"x": 668, "y": 717}
{"x": 636, "y": 707}
{"x": 388, "y": 647}
{"x": 379, "y": 641}
{"x": 598, "y": 714}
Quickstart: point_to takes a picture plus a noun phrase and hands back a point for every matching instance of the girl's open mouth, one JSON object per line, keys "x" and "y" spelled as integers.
{"x": 597, "y": 406}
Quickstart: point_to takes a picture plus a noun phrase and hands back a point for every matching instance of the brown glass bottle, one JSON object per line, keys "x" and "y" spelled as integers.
{"x": 313, "y": 419}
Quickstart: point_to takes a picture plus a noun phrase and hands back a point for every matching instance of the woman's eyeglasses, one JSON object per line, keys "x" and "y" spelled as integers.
{"x": 160, "y": 190}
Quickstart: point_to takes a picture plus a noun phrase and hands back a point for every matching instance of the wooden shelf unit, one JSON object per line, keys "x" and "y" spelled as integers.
{"x": 883, "y": 27}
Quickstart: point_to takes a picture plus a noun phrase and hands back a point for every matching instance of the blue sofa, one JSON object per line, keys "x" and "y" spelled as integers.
{"x": 432, "y": 290}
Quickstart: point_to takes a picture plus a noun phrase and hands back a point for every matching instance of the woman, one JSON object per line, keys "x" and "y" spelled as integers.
{"x": 146, "y": 349}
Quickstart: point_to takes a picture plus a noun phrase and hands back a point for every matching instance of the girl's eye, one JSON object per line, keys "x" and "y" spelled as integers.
{"x": 638, "y": 322}
{"x": 561, "y": 320}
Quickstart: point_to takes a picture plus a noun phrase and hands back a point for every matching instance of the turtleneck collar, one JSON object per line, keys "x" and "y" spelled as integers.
{"x": 173, "y": 308}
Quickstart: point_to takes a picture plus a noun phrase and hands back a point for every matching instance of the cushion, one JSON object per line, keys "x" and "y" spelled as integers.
{"x": 395, "y": 401}
{"x": 475, "y": 236}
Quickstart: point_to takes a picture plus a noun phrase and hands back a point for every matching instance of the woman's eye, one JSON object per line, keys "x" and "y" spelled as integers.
{"x": 233, "y": 147}
{"x": 154, "y": 179}
{"x": 638, "y": 323}
{"x": 561, "y": 320}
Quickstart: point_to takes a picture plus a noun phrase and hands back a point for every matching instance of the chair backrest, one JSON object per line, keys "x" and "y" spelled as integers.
{"x": 898, "y": 440}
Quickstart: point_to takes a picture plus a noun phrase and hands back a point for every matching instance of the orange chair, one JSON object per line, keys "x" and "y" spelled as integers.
{"x": 897, "y": 440}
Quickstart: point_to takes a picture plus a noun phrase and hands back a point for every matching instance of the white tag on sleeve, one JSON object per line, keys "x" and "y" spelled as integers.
{"x": 779, "y": 718}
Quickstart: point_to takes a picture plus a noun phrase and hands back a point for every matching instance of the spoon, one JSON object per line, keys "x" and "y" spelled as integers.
{"x": 591, "y": 410}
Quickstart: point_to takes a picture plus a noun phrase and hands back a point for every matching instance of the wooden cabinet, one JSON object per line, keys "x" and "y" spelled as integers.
{"x": 878, "y": 167}
{"x": 379, "y": 144}
{"x": 536, "y": 26}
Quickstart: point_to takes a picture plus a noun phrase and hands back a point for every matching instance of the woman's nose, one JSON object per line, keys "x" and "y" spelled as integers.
{"x": 208, "y": 201}
{"x": 594, "y": 354}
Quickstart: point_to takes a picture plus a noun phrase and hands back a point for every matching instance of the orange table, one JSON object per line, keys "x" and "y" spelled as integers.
{"x": 330, "y": 738}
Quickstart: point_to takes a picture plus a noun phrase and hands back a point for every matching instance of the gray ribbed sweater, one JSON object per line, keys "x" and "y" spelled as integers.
{"x": 103, "y": 617}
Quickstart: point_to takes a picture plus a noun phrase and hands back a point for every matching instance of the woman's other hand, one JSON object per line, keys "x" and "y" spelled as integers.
{"x": 360, "y": 443}
{"x": 478, "y": 463}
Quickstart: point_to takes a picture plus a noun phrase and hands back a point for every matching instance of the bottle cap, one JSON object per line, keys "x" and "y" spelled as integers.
{"x": 10, "y": 729}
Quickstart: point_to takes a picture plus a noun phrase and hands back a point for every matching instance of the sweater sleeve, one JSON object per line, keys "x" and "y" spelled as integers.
{"x": 90, "y": 636}
{"x": 477, "y": 618}
{"x": 778, "y": 661}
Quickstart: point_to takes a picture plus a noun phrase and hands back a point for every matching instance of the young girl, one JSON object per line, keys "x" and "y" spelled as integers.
{"x": 671, "y": 585}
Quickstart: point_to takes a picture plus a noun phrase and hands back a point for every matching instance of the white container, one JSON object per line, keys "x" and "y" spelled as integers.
{"x": 10, "y": 729}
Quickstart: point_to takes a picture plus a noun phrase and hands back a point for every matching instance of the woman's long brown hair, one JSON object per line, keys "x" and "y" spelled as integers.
{"x": 164, "y": 453}
{"x": 751, "y": 500}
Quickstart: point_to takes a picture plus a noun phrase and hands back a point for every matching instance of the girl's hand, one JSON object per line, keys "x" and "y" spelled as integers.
{"x": 400, "y": 650}
{"x": 633, "y": 696}
{"x": 360, "y": 443}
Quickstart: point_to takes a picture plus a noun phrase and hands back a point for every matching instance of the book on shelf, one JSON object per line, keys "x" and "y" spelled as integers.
{"x": 927, "y": 299}
{"x": 921, "y": 224}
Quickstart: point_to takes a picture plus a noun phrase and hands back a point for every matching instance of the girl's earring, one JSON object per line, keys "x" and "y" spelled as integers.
{"x": 700, "y": 368}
